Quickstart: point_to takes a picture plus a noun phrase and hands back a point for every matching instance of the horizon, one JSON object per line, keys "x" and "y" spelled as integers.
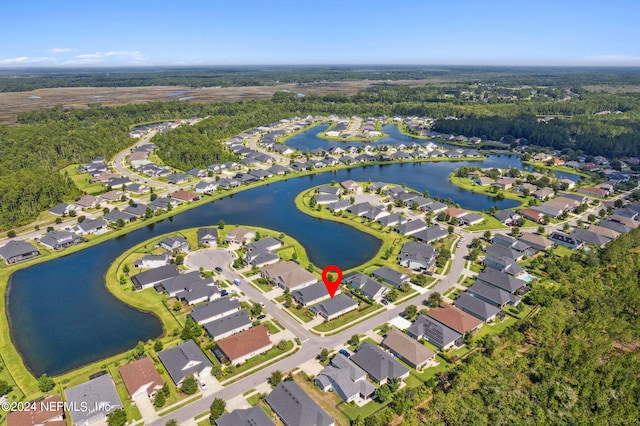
{"x": 492, "y": 33}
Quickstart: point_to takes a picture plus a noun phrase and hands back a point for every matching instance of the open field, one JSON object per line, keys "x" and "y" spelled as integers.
{"x": 12, "y": 103}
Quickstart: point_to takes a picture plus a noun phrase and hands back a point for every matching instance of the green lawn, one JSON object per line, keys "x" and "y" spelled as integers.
{"x": 346, "y": 318}
{"x": 259, "y": 359}
{"x": 490, "y": 222}
{"x": 303, "y": 314}
{"x": 261, "y": 286}
{"x": 272, "y": 328}
{"x": 253, "y": 399}
{"x": 81, "y": 180}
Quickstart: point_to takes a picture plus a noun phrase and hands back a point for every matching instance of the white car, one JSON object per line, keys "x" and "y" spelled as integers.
{"x": 203, "y": 385}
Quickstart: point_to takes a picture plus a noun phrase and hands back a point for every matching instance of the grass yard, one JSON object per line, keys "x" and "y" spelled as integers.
{"x": 272, "y": 328}
{"x": 489, "y": 222}
{"x": 303, "y": 314}
{"x": 327, "y": 400}
{"x": 346, "y": 318}
{"x": 259, "y": 359}
{"x": 81, "y": 180}
{"x": 253, "y": 399}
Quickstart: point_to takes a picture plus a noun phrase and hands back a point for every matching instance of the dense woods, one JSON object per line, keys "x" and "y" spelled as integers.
{"x": 575, "y": 362}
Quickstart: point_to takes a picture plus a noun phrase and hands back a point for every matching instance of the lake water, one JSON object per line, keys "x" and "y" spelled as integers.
{"x": 62, "y": 316}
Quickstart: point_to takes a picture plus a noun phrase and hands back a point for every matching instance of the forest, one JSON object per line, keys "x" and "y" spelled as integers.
{"x": 45, "y": 141}
{"x": 575, "y": 362}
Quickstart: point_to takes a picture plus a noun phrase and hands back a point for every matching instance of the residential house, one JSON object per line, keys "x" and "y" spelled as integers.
{"x": 141, "y": 377}
{"x": 616, "y": 226}
{"x": 63, "y": 209}
{"x": 492, "y": 295}
{"x": 408, "y": 349}
{"x": 207, "y": 236}
{"x": 17, "y": 251}
{"x": 435, "y": 332}
{"x": 311, "y": 294}
{"x": 296, "y": 408}
{"x": 531, "y": 214}
{"x": 88, "y": 202}
{"x": 184, "y": 360}
{"x": 92, "y": 401}
{"x": 324, "y": 199}
{"x": 605, "y": 231}
{"x": 411, "y": 227}
{"x": 390, "y": 276}
{"x": 177, "y": 178}
{"x": 431, "y": 234}
{"x": 177, "y": 242}
{"x": 339, "y": 206}
{"x": 136, "y": 209}
{"x": 204, "y": 187}
{"x": 566, "y": 240}
{"x": 590, "y": 237}
{"x": 254, "y": 416}
{"x": 240, "y": 236}
{"x": 45, "y": 411}
{"x": 265, "y": 244}
{"x": 505, "y": 183}
{"x": 455, "y": 319}
{"x": 507, "y": 217}
{"x": 335, "y": 307}
{"x": 360, "y": 209}
{"x": 185, "y": 196}
{"x": 345, "y": 378}
{"x": 213, "y": 310}
{"x": 58, "y": 240}
{"x": 150, "y": 261}
{"x": 476, "y": 307}
{"x": 500, "y": 250}
{"x": 538, "y": 242}
{"x": 594, "y": 192}
{"x": 379, "y": 365}
{"x": 245, "y": 344}
{"x": 330, "y": 190}
{"x": 351, "y": 186}
{"x": 502, "y": 281}
{"x": 154, "y": 276}
{"x": 228, "y": 325}
{"x": 484, "y": 181}
{"x": 369, "y": 287}
{"x": 470, "y": 219}
{"x": 111, "y": 196}
{"x": 417, "y": 256}
{"x": 91, "y": 226}
{"x": 543, "y": 193}
{"x": 392, "y": 220}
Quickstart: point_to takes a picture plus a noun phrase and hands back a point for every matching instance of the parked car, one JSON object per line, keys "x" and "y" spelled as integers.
{"x": 384, "y": 302}
{"x": 428, "y": 273}
{"x": 219, "y": 269}
{"x": 203, "y": 385}
{"x": 261, "y": 317}
{"x": 345, "y": 352}
{"x": 236, "y": 281}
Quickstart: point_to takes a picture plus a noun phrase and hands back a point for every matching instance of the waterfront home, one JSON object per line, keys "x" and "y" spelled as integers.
{"x": 114, "y": 215}
{"x": 327, "y": 189}
{"x": 207, "y": 236}
{"x": 392, "y": 220}
{"x": 44, "y": 411}
{"x": 92, "y": 401}
{"x": 417, "y": 256}
{"x": 150, "y": 261}
{"x": 58, "y": 240}
{"x": 411, "y": 227}
{"x": 339, "y": 206}
{"x": 240, "y": 236}
{"x": 154, "y": 276}
{"x": 470, "y": 219}
{"x": 311, "y": 294}
{"x": 507, "y": 217}
{"x": 205, "y": 187}
{"x": 408, "y": 349}
{"x": 184, "y": 360}
{"x": 345, "y": 378}
{"x": 351, "y": 186}
{"x": 16, "y": 251}
{"x": 379, "y": 365}
{"x": 141, "y": 378}
{"x": 182, "y": 195}
{"x": 246, "y": 344}
{"x": 177, "y": 242}
{"x": 324, "y": 199}
{"x": 295, "y": 407}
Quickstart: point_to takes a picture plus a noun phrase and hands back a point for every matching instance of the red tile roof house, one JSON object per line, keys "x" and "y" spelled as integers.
{"x": 595, "y": 192}
{"x": 141, "y": 378}
{"x": 531, "y": 215}
{"x": 47, "y": 412}
{"x": 183, "y": 195}
{"x": 244, "y": 345}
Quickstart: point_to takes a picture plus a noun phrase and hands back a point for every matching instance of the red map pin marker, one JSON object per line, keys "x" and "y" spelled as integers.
{"x": 331, "y": 286}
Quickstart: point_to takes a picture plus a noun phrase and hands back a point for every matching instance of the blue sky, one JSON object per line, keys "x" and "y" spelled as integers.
{"x": 471, "y": 32}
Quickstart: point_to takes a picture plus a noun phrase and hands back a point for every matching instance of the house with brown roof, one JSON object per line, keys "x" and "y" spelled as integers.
{"x": 240, "y": 235}
{"x": 88, "y": 201}
{"x": 46, "y": 412}
{"x": 408, "y": 349}
{"x": 455, "y": 212}
{"x": 276, "y": 269}
{"x": 531, "y": 214}
{"x": 595, "y": 192}
{"x": 183, "y": 195}
{"x": 295, "y": 279}
{"x": 246, "y": 344}
{"x": 141, "y": 377}
{"x": 538, "y": 242}
{"x": 505, "y": 182}
{"x": 351, "y": 186}
{"x": 455, "y": 319}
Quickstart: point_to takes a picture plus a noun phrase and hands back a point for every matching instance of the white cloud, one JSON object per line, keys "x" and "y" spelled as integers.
{"x": 20, "y": 60}
{"x": 101, "y": 57}
{"x": 57, "y": 50}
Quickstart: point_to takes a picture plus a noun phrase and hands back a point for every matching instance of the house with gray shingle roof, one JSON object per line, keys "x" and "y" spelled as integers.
{"x": 390, "y": 276}
{"x": 230, "y": 324}
{"x": 502, "y": 281}
{"x": 296, "y": 408}
{"x": 213, "y": 310}
{"x": 207, "y": 235}
{"x": 476, "y": 307}
{"x": 92, "y": 401}
{"x": 184, "y": 360}
{"x": 379, "y": 365}
{"x": 58, "y": 240}
{"x": 492, "y": 295}
{"x": 16, "y": 251}
{"x": 333, "y": 308}
{"x": 411, "y": 227}
{"x": 311, "y": 294}
{"x": 154, "y": 276}
{"x": 369, "y": 287}
{"x": 417, "y": 256}
{"x": 254, "y": 416}
{"x": 346, "y": 379}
